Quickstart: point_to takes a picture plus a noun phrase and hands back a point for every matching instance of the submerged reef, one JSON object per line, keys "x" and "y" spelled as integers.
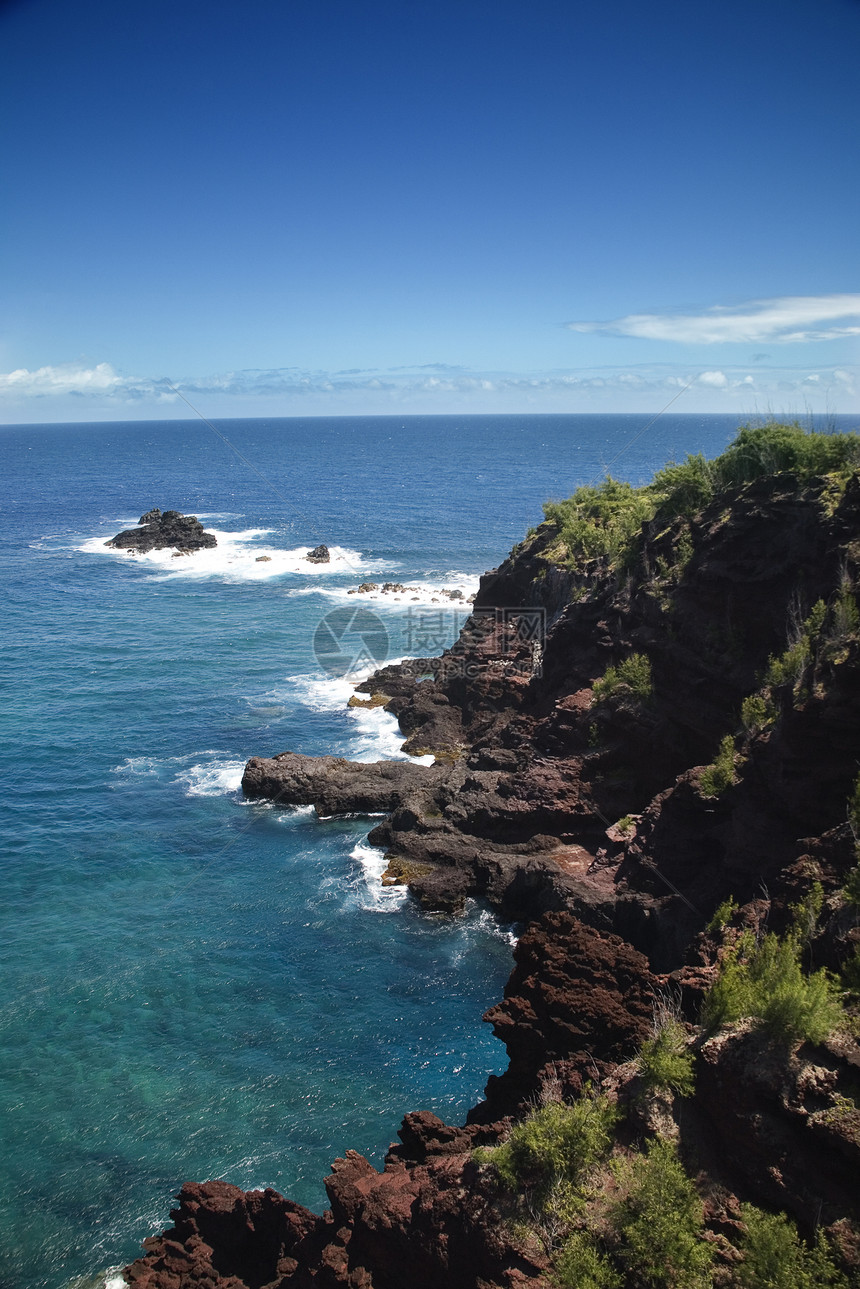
{"x": 647, "y": 743}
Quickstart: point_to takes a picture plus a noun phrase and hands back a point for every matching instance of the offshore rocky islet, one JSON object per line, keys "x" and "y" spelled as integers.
{"x": 535, "y": 755}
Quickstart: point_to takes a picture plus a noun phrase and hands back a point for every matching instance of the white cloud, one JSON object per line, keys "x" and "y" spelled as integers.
{"x": 64, "y": 379}
{"x": 716, "y": 379}
{"x": 788, "y": 320}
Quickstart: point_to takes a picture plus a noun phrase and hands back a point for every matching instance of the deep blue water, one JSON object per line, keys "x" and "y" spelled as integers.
{"x": 194, "y": 987}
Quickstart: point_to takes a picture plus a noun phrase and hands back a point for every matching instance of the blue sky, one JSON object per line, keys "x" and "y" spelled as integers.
{"x": 293, "y": 207}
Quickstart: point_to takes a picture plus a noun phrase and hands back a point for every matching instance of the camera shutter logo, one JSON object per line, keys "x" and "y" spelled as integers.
{"x": 349, "y": 640}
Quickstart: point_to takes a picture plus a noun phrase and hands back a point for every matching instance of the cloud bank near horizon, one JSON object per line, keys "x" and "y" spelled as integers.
{"x": 788, "y": 320}
{"x": 102, "y": 385}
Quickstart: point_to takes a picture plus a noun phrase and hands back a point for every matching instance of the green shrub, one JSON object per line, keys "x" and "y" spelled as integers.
{"x": 666, "y": 1060}
{"x": 660, "y": 1222}
{"x": 770, "y": 449}
{"x": 789, "y": 667}
{"x": 757, "y": 712}
{"x": 685, "y": 487}
{"x": 632, "y": 675}
{"x": 722, "y": 914}
{"x": 554, "y": 1144}
{"x": 851, "y": 972}
{"x": 602, "y": 520}
{"x": 846, "y": 616}
{"x": 765, "y": 981}
{"x": 579, "y": 1264}
{"x": 851, "y": 889}
{"x": 854, "y": 809}
{"x": 814, "y": 624}
{"x": 715, "y": 778}
{"x": 776, "y": 1258}
{"x": 805, "y": 914}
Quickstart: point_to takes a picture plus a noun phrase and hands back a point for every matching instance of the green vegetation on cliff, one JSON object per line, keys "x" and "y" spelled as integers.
{"x": 765, "y": 981}
{"x": 612, "y": 1216}
{"x": 605, "y": 520}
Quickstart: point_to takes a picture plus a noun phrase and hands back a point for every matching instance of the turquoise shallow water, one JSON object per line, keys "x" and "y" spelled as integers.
{"x": 194, "y": 986}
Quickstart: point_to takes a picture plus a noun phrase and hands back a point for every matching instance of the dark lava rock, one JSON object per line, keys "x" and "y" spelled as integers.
{"x": 333, "y": 785}
{"x": 158, "y": 531}
{"x": 319, "y": 555}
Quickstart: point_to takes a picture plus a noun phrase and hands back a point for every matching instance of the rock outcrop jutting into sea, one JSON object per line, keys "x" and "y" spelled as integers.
{"x": 647, "y": 743}
{"x": 158, "y": 531}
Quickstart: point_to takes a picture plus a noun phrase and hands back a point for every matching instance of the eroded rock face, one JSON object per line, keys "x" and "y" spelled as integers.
{"x": 578, "y": 1002}
{"x": 224, "y": 1238}
{"x": 426, "y": 1210}
{"x": 784, "y": 1126}
{"x": 159, "y": 530}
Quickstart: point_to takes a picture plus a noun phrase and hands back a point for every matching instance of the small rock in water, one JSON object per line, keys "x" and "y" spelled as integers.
{"x": 263, "y": 559}
{"x": 158, "y": 530}
{"x": 363, "y": 589}
{"x": 319, "y": 555}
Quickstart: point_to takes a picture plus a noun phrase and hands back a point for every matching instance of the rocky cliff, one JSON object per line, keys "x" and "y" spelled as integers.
{"x": 643, "y": 754}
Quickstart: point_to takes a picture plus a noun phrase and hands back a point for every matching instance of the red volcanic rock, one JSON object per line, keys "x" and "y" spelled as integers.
{"x": 224, "y": 1238}
{"x": 431, "y": 1218}
{"x": 578, "y": 1002}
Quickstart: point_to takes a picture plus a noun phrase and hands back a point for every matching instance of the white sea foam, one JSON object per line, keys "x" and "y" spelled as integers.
{"x": 377, "y": 735}
{"x": 320, "y": 693}
{"x": 146, "y": 766}
{"x": 419, "y": 593}
{"x": 483, "y": 919}
{"x": 107, "y": 1278}
{"x": 218, "y": 774}
{"x": 212, "y": 779}
{"x": 289, "y": 814}
{"x": 238, "y": 557}
{"x": 372, "y": 895}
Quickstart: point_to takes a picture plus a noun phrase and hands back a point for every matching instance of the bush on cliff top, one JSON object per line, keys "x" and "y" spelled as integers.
{"x": 601, "y": 520}
{"x": 605, "y": 520}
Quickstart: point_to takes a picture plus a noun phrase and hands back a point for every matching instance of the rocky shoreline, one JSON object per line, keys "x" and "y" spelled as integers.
{"x": 575, "y": 793}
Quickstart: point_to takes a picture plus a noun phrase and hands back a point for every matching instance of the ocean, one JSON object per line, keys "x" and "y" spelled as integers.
{"x": 194, "y": 986}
